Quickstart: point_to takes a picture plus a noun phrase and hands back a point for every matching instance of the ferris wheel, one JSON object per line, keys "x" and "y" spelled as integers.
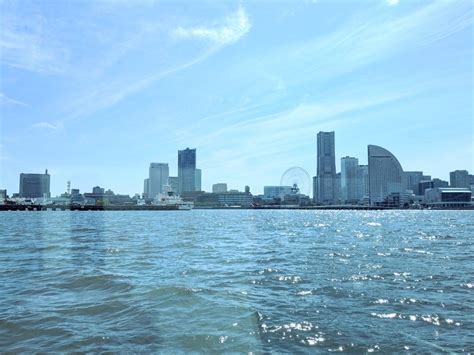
{"x": 298, "y": 179}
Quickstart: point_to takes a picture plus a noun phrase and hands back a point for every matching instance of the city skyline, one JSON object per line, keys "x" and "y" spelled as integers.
{"x": 382, "y": 176}
{"x": 234, "y": 82}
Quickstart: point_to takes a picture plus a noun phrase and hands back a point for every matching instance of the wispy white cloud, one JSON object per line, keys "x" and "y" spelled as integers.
{"x": 233, "y": 28}
{"x": 393, "y": 2}
{"x": 366, "y": 39}
{"x": 26, "y": 43}
{"x": 285, "y": 128}
{"x": 44, "y": 125}
{"x": 111, "y": 93}
{"x": 4, "y": 99}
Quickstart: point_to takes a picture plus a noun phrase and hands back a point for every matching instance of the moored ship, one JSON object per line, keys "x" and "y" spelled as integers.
{"x": 170, "y": 199}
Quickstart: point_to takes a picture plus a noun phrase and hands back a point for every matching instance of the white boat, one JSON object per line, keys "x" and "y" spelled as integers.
{"x": 169, "y": 198}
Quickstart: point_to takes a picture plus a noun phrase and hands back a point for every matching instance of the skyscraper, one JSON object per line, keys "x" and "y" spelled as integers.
{"x": 158, "y": 177}
{"x": 35, "y": 185}
{"x": 460, "y": 178}
{"x": 412, "y": 179}
{"x": 349, "y": 166}
{"x": 173, "y": 183}
{"x": 385, "y": 174}
{"x": 198, "y": 179}
{"x": 146, "y": 184}
{"x": 439, "y": 183}
{"x": 362, "y": 182}
{"x": 326, "y": 169}
{"x": 187, "y": 170}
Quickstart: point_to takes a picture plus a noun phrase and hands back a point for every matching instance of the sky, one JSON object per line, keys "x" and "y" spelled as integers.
{"x": 96, "y": 90}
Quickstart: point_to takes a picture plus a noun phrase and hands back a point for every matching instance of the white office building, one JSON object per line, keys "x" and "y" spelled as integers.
{"x": 158, "y": 178}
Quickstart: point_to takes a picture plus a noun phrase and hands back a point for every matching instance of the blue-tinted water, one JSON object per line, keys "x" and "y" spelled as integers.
{"x": 239, "y": 280}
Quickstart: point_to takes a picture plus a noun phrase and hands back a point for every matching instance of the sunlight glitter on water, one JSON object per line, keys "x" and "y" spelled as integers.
{"x": 237, "y": 281}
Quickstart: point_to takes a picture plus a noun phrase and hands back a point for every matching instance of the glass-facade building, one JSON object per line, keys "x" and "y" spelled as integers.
{"x": 173, "y": 183}
{"x": 35, "y": 185}
{"x": 187, "y": 170}
{"x": 276, "y": 191}
{"x": 198, "y": 179}
{"x": 349, "y": 167}
{"x": 326, "y": 169}
{"x": 412, "y": 180}
{"x": 460, "y": 178}
{"x": 386, "y": 175}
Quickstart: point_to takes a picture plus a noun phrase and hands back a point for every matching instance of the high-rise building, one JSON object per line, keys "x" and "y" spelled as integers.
{"x": 219, "y": 188}
{"x": 35, "y": 185}
{"x": 187, "y": 170}
{"x": 326, "y": 169}
{"x": 146, "y": 184}
{"x": 362, "y": 182}
{"x": 460, "y": 178}
{"x": 424, "y": 185}
{"x": 337, "y": 189}
{"x": 385, "y": 174}
{"x": 349, "y": 169}
{"x": 157, "y": 179}
{"x": 198, "y": 178}
{"x": 412, "y": 179}
{"x": 173, "y": 183}
{"x": 439, "y": 183}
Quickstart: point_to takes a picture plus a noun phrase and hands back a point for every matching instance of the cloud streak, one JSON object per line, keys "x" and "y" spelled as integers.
{"x": 4, "y": 99}
{"x": 365, "y": 40}
{"x": 25, "y": 43}
{"x": 235, "y": 26}
{"x": 112, "y": 92}
{"x": 44, "y": 125}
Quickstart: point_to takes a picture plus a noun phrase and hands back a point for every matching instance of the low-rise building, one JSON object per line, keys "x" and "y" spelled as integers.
{"x": 219, "y": 187}
{"x": 270, "y": 192}
{"x": 224, "y": 199}
{"x": 234, "y": 198}
{"x": 448, "y": 197}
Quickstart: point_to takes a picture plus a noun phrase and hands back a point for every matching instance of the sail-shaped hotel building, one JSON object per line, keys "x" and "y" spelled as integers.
{"x": 385, "y": 174}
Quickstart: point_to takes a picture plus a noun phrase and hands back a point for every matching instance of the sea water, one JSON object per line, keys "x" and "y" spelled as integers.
{"x": 237, "y": 280}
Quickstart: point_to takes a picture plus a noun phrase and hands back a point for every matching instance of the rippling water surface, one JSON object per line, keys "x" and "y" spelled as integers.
{"x": 238, "y": 280}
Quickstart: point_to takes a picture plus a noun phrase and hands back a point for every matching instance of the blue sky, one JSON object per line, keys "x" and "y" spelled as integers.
{"x": 95, "y": 91}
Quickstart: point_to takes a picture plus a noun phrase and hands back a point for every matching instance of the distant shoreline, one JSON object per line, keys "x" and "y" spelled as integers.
{"x": 176, "y": 208}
